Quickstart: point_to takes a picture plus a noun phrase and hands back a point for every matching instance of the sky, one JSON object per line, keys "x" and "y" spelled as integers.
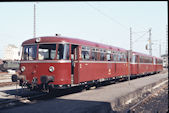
{"x": 103, "y": 22}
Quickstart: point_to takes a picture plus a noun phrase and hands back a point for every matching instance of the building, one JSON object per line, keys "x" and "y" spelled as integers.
{"x": 165, "y": 60}
{"x": 11, "y": 53}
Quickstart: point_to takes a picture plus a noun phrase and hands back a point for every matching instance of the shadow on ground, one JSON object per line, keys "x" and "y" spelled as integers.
{"x": 62, "y": 106}
{"x": 49, "y": 103}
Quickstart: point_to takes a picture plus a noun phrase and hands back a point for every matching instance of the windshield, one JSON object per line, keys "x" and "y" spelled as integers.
{"x": 29, "y": 52}
{"x": 47, "y": 51}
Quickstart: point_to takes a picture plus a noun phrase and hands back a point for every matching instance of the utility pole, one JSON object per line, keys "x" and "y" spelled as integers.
{"x": 150, "y": 44}
{"x": 130, "y": 55}
{"x": 160, "y": 49}
{"x": 34, "y": 20}
{"x": 166, "y": 51}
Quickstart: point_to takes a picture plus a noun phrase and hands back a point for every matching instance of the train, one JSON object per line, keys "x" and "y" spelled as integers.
{"x": 9, "y": 65}
{"x": 58, "y": 62}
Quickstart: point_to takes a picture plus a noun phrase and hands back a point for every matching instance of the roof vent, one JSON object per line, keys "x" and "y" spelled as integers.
{"x": 57, "y": 34}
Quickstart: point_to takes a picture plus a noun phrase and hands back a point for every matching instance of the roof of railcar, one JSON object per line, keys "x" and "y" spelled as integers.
{"x": 51, "y": 39}
{"x": 142, "y": 54}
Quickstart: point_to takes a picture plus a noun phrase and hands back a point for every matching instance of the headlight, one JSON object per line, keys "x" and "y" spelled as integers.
{"x": 37, "y": 40}
{"x": 51, "y": 68}
{"x": 23, "y": 68}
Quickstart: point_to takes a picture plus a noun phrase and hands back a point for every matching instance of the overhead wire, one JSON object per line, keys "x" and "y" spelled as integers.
{"x": 104, "y": 14}
{"x": 114, "y": 20}
{"x": 117, "y": 22}
{"x": 140, "y": 37}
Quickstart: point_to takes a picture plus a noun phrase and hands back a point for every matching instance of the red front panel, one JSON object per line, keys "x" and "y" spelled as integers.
{"x": 62, "y": 72}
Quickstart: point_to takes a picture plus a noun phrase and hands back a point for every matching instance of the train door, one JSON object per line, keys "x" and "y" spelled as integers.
{"x": 137, "y": 64}
{"x": 154, "y": 64}
{"x": 74, "y": 63}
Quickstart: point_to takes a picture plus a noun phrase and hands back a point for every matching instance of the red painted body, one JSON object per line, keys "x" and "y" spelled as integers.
{"x": 83, "y": 70}
{"x": 139, "y": 67}
{"x": 62, "y": 72}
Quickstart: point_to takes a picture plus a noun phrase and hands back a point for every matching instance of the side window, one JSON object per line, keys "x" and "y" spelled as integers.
{"x": 118, "y": 56}
{"x": 122, "y": 57}
{"x": 154, "y": 61}
{"x": 108, "y": 57}
{"x": 141, "y": 59}
{"x": 94, "y": 54}
{"x": 102, "y": 56}
{"x": 60, "y": 51}
{"x": 125, "y": 57}
{"x": 134, "y": 59}
{"x": 85, "y": 53}
{"x": 114, "y": 57}
{"x": 66, "y": 51}
{"x": 63, "y": 51}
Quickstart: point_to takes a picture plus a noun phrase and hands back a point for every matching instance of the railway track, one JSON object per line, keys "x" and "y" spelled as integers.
{"x": 3, "y": 84}
{"x": 25, "y": 98}
{"x": 147, "y": 98}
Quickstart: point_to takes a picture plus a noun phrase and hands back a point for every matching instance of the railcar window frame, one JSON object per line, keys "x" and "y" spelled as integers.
{"x": 64, "y": 54}
{"x": 45, "y": 52}
{"x": 28, "y": 57}
{"x": 94, "y": 54}
{"x": 108, "y": 55}
{"x": 119, "y": 56}
{"x": 114, "y": 56}
{"x": 102, "y": 54}
{"x": 84, "y": 50}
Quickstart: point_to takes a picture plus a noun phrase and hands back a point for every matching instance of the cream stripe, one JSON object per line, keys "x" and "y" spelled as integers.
{"x": 46, "y": 61}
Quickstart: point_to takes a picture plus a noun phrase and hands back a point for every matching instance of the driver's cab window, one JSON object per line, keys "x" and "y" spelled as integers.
{"x": 47, "y": 51}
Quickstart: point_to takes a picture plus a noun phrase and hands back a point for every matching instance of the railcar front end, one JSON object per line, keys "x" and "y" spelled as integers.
{"x": 44, "y": 65}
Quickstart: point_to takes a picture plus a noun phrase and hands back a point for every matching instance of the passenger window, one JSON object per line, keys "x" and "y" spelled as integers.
{"x": 47, "y": 51}
{"x": 125, "y": 57}
{"x": 108, "y": 57}
{"x": 118, "y": 57}
{"x": 102, "y": 56}
{"x": 94, "y": 55}
{"x": 85, "y": 55}
{"x": 114, "y": 57}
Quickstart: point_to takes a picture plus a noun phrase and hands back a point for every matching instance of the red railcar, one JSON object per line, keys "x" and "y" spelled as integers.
{"x": 64, "y": 62}
{"x": 158, "y": 66}
{"x": 145, "y": 64}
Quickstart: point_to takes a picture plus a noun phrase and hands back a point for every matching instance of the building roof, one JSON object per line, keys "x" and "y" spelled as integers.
{"x": 164, "y": 55}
